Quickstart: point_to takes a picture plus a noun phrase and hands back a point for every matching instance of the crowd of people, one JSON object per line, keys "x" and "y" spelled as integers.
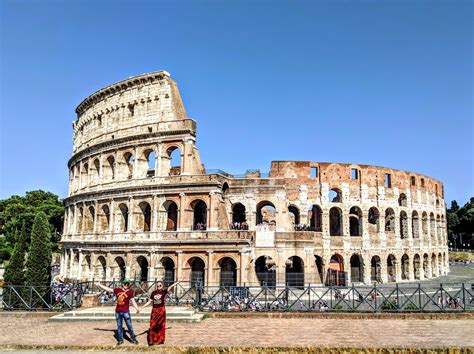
{"x": 200, "y": 226}
{"x": 239, "y": 226}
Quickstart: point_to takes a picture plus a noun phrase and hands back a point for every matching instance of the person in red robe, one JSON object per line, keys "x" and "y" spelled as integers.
{"x": 156, "y": 333}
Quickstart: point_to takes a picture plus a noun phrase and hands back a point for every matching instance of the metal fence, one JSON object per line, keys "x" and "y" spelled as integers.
{"x": 405, "y": 297}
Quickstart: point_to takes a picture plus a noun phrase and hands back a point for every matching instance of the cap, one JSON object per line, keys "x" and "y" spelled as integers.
{"x": 125, "y": 281}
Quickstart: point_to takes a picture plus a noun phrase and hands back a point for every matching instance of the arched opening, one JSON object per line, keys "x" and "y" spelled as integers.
{"x": 336, "y": 275}
{"x": 265, "y": 269}
{"x": 403, "y": 225}
{"x": 376, "y": 269}
{"x": 80, "y": 220}
{"x": 416, "y": 266}
{"x": 432, "y": 226}
{"x": 109, "y": 169}
{"x": 405, "y": 267}
{"x": 415, "y": 225}
{"x": 119, "y": 269}
{"x": 199, "y": 215}
{"x": 171, "y": 215}
{"x": 123, "y": 218}
{"x": 168, "y": 264}
{"x": 86, "y": 268}
{"x": 197, "y": 271}
{"x": 425, "y": 265}
{"x": 144, "y": 219}
{"x": 319, "y": 268}
{"x": 142, "y": 274}
{"x": 294, "y": 214}
{"x": 315, "y": 215}
{"x": 239, "y": 221}
{"x": 84, "y": 175}
{"x": 373, "y": 220}
{"x": 174, "y": 161}
{"x": 402, "y": 200}
{"x": 100, "y": 269}
{"x": 104, "y": 220}
{"x": 335, "y": 195}
{"x": 424, "y": 223}
{"x": 389, "y": 220}
{"x": 266, "y": 213}
{"x": 90, "y": 217}
{"x": 150, "y": 156}
{"x": 438, "y": 226}
{"x": 128, "y": 161}
{"x": 225, "y": 188}
{"x": 96, "y": 174}
{"x": 355, "y": 221}
{"x": 440, "y": 264}
{"x": 391, "y": 268}
{"x": 357, "y": 270}
{"x": 335, "y": 222}
{"x": 228, "y": 272}
{"x": 294, "y": 272}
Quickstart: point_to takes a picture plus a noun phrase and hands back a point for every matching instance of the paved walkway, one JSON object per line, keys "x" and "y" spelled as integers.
{"x": 249, "y": 332}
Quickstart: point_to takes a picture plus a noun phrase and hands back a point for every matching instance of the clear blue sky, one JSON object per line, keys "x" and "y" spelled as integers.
{"x": 387, "y": 83}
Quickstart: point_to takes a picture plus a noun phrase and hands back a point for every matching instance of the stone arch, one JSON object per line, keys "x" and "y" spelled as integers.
{"x": 432, "y": 226}
{"x": 238, "y": 213}
{"x": 357, "y": 268}
{"x": 171, "y": 209}
{"x": 294, "y": 272}
{"x": 80, "y": 219}
{"x": 95, "y": 170}
{"x": 389, "y": 220}
{"x": 100, "y": 269}
{"x": 144, "y": 217}
{"x": 122, "y": 220}
{"x": 266, "y": 213}
{"x": 336, "y": 274}
{"x": 228, "y": 271}
{"x": 315, "y": 216}
{"x": 104, "y": 218}
{"x": 86, "y": 267}
{"x": 374, "y": 220}
{"x": 128, "y": 161}
{"x": 319, "y": 267}
{"x": 335, "y": 195}
{"x": 376, "y": 269}
{"x": 172, "y": 161}
{"x": 149, "y": 156}
{"x": 403, "y": 224}
{"x": 438, "y": 226}
{"x": 142, "y": 269}
{"x": 402, "y": 200}
{"x": 84, "y": 175}
{"x": 391, "y": 268}
{"x": 440, "y": 264}
{"x": 335, "y": 222}
{"x": 169, "y": 267}
{"x": 434, "y": 263}
{"x": 119, "y": 268}
{"x": 415, "y": 224}
{"x": 199, "y": 208}
{"x": 109, "y": 169}
{"x": 426, "y": 268}
{"x": 355, "y": 221}
{"x": 405, "y": 267}
{"x": 294, "y": 215}
{"x": 265, "y": 269}
{"x": 225, "y": 188}
{"x": 89, "y": 219}
{"x": 424, "y": 223}
{"x": 416, "y": 266}
{"x": 197, "y": 266}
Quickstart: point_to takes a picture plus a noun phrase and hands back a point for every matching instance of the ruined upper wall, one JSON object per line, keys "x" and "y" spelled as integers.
{"x": 142, "y": 104}
{"x": 334, "y": 174}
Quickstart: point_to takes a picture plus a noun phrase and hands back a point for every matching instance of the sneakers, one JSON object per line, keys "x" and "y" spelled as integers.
{"x": 135, "y": 342}
{"x": 120, "y": 342}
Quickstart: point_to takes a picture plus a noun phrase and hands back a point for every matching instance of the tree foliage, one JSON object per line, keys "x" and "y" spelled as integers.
{"x": 15, "y": 270}
{"x": 38, "y": 265}
{"x": 16, "y": 211}
{"x": 461, "y": 221}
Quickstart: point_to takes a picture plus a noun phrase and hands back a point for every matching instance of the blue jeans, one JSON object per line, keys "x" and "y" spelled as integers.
{"x": 119, "y": 317}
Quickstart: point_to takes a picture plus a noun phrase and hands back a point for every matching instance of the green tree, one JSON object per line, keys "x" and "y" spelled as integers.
{"x": 16, "y": 211}
{"x": 15, "y": 270}
{"x": 38, "y": 265}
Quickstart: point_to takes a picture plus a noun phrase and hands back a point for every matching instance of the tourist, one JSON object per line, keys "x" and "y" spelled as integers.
{"x": 156, "y": 333}
{"x": 124, "y": 296}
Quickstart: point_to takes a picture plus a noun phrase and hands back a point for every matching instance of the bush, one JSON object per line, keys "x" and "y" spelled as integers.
{"x": 389, "y": 305}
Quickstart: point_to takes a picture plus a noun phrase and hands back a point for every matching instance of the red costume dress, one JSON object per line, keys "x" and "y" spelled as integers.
{"x": 156, "y": 334}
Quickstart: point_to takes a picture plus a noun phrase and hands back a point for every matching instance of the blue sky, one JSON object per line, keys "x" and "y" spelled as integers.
{"x": 373, "y": 82}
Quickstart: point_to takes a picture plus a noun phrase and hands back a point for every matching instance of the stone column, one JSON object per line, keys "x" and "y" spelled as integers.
{"x": 383, "y": 270}
{"x": 411, "y": 270}
{"x": 131, "y": 214}
{"x": 79, "y": 268}
{"x": 154, "y": 221}
{"x": 398, "y": 270}
{"x": 179, "y": 265}
{"x": 367, "y": 269}
{"x": 210, "y": 268}
{"x": 112, "y": 216}
{"x": 96, "y": 205}
{"x": 182, "y": 212}
{"x": 135, "y": 163}
{"x": 210, "y": 213}
{"x": 71, "y": 263}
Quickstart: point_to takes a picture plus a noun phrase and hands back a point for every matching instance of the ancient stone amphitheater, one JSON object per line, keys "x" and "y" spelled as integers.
{"x": 141, "y": 204}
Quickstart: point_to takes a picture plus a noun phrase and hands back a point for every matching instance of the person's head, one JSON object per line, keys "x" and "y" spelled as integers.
{"x": 159, "y": 285}
{"x": 126, "y": 283}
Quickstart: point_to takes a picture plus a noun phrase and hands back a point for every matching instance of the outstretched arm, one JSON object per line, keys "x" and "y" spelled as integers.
{"x": 106, "y": 288}
{"x": 173, "y": 285}
{"x": 146, "y": 304}
{"x": 134, "y": 304}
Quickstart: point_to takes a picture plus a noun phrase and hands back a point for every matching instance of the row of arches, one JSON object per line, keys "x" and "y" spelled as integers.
{"x": 125, "y": 166}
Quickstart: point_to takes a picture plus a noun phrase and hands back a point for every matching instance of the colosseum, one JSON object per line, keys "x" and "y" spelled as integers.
{"x": 141, "y": 204}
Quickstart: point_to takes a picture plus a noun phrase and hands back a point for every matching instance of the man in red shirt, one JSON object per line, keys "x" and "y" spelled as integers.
{"x": 124, "y": 296}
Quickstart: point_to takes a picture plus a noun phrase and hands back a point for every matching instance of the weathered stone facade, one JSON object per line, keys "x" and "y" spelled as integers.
{"x": 131, "y": 211}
